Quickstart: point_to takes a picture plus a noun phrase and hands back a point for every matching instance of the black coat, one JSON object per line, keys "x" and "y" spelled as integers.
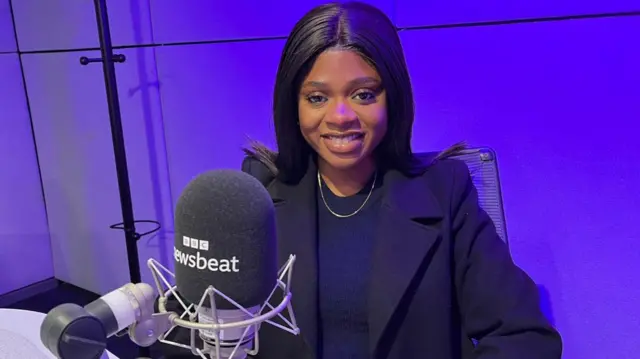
{"x": 441, "y": 275}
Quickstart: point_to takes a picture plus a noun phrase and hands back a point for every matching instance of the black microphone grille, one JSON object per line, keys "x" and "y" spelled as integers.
{"x": 225, "y": 237}
{"x": 234, "y": 197}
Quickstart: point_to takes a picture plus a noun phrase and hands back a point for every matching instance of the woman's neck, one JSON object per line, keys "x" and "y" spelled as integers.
{"x": 344, "y": 183}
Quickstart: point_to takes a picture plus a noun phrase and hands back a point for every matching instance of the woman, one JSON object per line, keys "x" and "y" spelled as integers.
{"x": 395, "y": 259}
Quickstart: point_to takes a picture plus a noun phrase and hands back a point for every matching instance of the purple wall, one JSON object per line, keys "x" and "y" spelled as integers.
{"x": 558, "y": 101}
{"x": 25, "y": 249}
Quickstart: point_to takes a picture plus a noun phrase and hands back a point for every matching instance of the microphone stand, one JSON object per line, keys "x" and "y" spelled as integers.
{"x": 128, "y": 223}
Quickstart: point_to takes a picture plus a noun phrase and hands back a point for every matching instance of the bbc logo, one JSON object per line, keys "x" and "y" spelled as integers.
{"x": 195, "y": 243}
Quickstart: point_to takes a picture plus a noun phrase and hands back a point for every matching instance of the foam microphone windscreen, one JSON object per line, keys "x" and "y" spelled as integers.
{"x": 225, "y": 236}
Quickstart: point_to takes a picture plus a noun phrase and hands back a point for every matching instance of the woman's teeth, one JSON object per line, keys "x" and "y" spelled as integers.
{"x": 343, "y": 140}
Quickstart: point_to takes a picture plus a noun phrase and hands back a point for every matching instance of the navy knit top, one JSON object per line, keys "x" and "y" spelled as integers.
{"x": 344, "y": 262}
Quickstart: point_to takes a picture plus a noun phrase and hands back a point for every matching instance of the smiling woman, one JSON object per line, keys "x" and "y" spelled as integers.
{"x": 342, "y": 72}
{"x": 342, "y": 113}
{"x": 395, "y": 257}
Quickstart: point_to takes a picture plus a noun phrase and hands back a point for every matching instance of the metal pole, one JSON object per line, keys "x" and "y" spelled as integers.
{"x": 128, "y": 222}
{"x": 111, "y": 86}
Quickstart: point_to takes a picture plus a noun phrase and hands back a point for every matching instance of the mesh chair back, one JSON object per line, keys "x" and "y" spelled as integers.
{"x": 483, "y": 168}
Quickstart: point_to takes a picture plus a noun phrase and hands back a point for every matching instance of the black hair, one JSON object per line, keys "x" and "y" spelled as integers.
{"x": 366, "y": 30}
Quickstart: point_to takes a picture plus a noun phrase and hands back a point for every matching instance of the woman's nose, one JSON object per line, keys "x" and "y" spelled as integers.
{"x": 341, "y": 113}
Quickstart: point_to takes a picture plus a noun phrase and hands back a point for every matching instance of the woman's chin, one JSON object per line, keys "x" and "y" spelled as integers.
{"x": 343, "y": 161}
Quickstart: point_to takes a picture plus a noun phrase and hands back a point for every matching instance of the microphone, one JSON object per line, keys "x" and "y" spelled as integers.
{"x": 225, "y": 237}
{"x": 72, "y": 331}
{"x": 226, "y": 274}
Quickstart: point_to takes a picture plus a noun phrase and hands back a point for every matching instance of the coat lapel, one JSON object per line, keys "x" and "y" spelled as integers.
{"x": 407, "y": 234}
{"x": 297, "y": 234}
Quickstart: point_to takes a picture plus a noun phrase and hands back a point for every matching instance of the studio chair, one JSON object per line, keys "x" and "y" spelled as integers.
{"x": 483, "y": 168}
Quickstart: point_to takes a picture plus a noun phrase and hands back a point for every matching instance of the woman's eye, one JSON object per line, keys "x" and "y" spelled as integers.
{"x": 315, "y": 99}
{"x": 365, "y": 96}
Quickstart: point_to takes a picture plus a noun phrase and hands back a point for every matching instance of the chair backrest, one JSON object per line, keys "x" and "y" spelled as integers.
{"x": 483, "y": 167}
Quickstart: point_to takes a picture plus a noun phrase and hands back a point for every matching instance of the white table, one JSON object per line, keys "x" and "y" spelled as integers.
{"x": 20, "y": 336}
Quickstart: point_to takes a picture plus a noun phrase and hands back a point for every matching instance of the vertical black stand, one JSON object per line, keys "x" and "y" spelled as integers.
{"x": 128, "y": 222}
{"x": 108, "y": 60}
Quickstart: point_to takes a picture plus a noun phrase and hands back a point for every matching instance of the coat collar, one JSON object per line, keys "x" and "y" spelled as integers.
{"x": 405, "y": 237}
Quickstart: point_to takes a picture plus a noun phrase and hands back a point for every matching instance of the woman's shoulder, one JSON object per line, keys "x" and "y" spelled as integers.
{"x": 444, "y": 167}
{"x": 258, "y": 169}
{"x": 447, "y": 169}
{"x": 259, "y": 161}
{"x": 445, "y": 175}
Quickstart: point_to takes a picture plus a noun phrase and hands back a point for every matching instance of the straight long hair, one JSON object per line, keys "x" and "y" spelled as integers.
{"x": 364, "y": 29}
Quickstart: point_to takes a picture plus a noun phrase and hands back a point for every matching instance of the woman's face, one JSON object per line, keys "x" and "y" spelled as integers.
{"x": 342, "y": 109}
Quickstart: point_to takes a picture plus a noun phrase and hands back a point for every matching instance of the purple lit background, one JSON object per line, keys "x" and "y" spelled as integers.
{"x": 558, "y": 100}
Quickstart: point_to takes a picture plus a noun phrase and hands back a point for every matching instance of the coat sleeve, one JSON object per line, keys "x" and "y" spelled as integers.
{"x": 499, "y": 302}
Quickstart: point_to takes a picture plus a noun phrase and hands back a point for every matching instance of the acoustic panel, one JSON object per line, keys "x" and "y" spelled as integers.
{"x": 215, "y": 97}
{"x": 7, "y": 36}
{"x": 64, "y": 25}
{"x": 205, "y": 20}
{"x": 558, "y": 102}
{"x": 25, "y": 254}
{"x": 73, "y": 132}
{"x": 410, "y": 13}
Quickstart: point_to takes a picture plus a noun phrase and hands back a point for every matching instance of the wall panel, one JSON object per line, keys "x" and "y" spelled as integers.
{"x": 25, "y": 251}
{"x": 213, "y": 98}
{"x": 64, "y": 25}
{"x": 73, "y": 132}
{"x": 7, "y": 36}
{"x": 430, "y": 12}
{"x": 205, "y": 20}
{"x": 558, "y": 102}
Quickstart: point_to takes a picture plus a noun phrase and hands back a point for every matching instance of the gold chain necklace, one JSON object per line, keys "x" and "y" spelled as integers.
{"x": 357, "y": 210}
